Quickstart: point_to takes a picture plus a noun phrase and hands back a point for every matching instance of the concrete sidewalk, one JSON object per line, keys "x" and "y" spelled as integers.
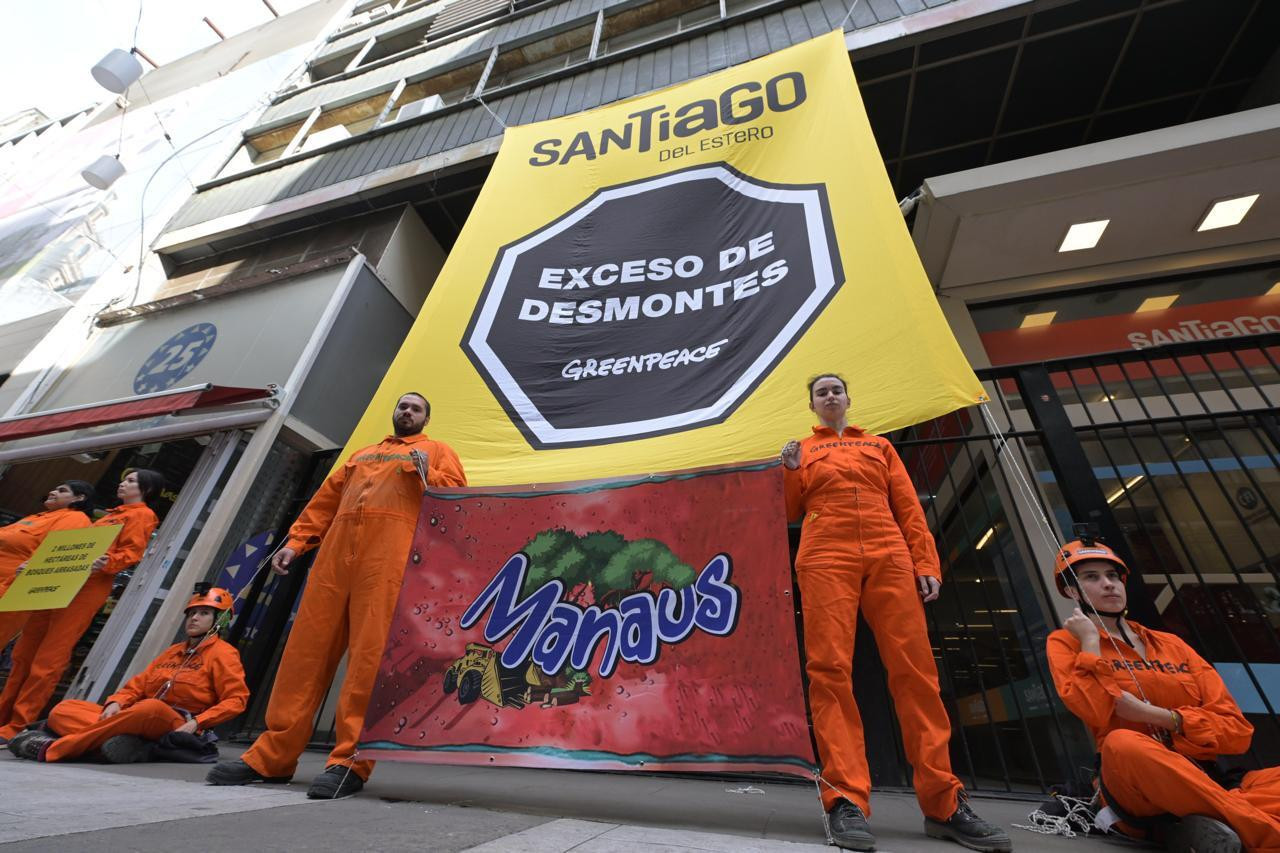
{"x": 157, "y": 807}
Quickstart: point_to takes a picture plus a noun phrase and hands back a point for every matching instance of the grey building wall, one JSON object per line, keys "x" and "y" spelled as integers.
{"x": 702, "y": 50}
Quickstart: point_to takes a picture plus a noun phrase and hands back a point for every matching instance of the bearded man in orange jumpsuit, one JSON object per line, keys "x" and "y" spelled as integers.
{"x": 865, "y": 545}
{"x": 363, "y": 518}
{"x": 1159, "y": 714}
{"x": 67, "y": 507}
{"x": 191, "y": 687}
{"x": 50, "y": 636}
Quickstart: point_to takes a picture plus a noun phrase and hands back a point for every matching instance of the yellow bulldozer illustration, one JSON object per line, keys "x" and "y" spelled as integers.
{"x": 479, "y": 674}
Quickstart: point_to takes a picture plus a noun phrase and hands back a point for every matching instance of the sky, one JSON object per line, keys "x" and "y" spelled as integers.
{"x": 48, "y": 46}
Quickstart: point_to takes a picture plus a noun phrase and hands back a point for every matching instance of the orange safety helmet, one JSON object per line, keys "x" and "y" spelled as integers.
{"x": 1081, "y": 551}
{"x": 206, "y": 595}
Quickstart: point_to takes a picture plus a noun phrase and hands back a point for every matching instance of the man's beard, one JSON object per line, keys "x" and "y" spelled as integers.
{"x": 402, "y": 431}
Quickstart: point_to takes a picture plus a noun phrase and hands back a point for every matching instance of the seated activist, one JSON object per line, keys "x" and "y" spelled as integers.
{"x": 1160, "y": 716}
{"x": 49, "y": 636}
{"x": 865, "y": 546}
{"x": 68, "y": 506}
{"x": 165, "y": 712}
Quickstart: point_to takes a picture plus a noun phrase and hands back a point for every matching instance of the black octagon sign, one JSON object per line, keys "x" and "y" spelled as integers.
{"x": 654, "y": 306}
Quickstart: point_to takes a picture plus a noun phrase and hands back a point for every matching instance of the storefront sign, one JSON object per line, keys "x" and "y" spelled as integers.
{"x": 643, "y": 625}
{"x": 58, "y": 568}
{"x": 1229, "y": 318}
{"x": 649, "y": 286}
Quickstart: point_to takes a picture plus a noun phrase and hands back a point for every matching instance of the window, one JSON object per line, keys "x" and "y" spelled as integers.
{"x": 653, "y": 21}
{"x": 518, "y": 73}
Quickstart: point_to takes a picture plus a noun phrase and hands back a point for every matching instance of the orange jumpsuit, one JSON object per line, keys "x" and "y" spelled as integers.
{"x": 18, "y": 541}
{"x": 44, "y": 649}
{"x": 1146, "y": 777}
{"x": 863, "y": 544}
{"x": 365, "y": 514}
{"x": 208, "y": 684}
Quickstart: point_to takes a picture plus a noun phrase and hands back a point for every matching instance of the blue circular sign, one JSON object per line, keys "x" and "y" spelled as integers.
{"x": 175, "y": 358}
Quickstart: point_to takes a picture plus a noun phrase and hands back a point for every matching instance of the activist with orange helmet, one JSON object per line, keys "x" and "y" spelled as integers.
{"x": 865, "y": 545}
{"x": 363, "y": 519}
{"x": 1160, "y": 716}
{"x": 191, "y": 687}
{"x": 49, "y": 636}
{"x": 67, "y": 506}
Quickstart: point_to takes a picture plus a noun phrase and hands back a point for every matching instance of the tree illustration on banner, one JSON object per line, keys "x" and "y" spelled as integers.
{"x": 602, "y": 567}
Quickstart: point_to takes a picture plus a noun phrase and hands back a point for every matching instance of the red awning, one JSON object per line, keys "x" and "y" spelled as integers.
{"x": 114, "y": 411}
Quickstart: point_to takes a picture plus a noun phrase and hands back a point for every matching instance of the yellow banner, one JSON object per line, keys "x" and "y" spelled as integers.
{"x": 58, "y": 568}
{"x": 648, "y": 286}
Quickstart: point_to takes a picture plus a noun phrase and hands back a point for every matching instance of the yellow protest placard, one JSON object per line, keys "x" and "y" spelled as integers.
{"x": 58, "y": 569}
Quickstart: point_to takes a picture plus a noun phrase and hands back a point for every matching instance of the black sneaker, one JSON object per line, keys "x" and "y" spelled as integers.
{"x": 966, "y": 828}
{"x": 849, "y": 828}
{"x": 1199, "y": 834}
{"x": 126, "y": 749}
{"x": 29, "y": 744}
{"x": 337, "y": 781}
{"x": 239, "y": 773}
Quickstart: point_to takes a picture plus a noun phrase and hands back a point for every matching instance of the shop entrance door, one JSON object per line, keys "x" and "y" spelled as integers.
{"x": 103, "y": 669}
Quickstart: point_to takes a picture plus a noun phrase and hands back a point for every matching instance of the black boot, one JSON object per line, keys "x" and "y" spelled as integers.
{"x": 1199, "y": 834}
{"x": 849, "y": 828}
{"x": 966, "y": 828}
{"x": 335, "y": 782}
{"x": 30, "y": 743}
{"x": 126, "y": 749}
{"x": 239, "y": 773}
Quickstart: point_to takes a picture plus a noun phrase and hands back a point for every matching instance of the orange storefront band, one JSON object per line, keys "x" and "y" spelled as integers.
{"x": 18, "y": 541}
{"x": 863, "y": 545}
{"x": 364, "y": 514}
{"x": 207, "y": 683}
{"x": 1146, "y": 777}
{"x": 49, "y": 636}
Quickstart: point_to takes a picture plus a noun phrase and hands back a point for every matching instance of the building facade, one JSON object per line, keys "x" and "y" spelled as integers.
{"x": 1134, "y": 381}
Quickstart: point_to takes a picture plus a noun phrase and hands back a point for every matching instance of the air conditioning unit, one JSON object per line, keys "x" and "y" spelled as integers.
{"x": 352, "y": 22}
{"x": 324, "y": 137}
{"x": 429, "y": 104}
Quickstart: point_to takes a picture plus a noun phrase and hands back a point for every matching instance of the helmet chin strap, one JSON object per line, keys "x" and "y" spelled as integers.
{"x": 1117, "y": 615}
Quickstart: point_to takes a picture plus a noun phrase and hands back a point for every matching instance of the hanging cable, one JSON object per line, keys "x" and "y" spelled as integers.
{"x": 849, "y": 14}
{"x": 491, "y": 112}
{"x": 1051, "y": 536}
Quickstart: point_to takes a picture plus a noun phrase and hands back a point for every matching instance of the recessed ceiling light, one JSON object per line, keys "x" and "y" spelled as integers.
{"x": 1032, "y": 320}
{"x": 1157, "y": 303}
{"x": 1083, "y": 235}
{"x": 1227, "y": 212}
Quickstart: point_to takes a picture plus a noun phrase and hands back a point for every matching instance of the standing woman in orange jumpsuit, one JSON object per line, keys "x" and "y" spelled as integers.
{"x": 67, "y": 507}
{"x": 44, "y": 649}
{"x": 865, "y": 545}
{"x": 1159, "y": 714}
{"x": 191, "y": 687}
{"x": 363, "y": 518}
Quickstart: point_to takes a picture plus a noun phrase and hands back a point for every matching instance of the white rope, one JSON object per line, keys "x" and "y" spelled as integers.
{"x": 818, "y": 782}
{"x": 350, "y": 764}
{"x": 1047, "y": 532}
{"x": 491, "y": 112}
{"x": 1024, "y": 484}
{"x": 849, "y": 14}
{"x": 1077, "y": 821}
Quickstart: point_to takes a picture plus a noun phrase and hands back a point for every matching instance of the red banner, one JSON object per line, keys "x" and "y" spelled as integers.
{"x": 614, "y": 625}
